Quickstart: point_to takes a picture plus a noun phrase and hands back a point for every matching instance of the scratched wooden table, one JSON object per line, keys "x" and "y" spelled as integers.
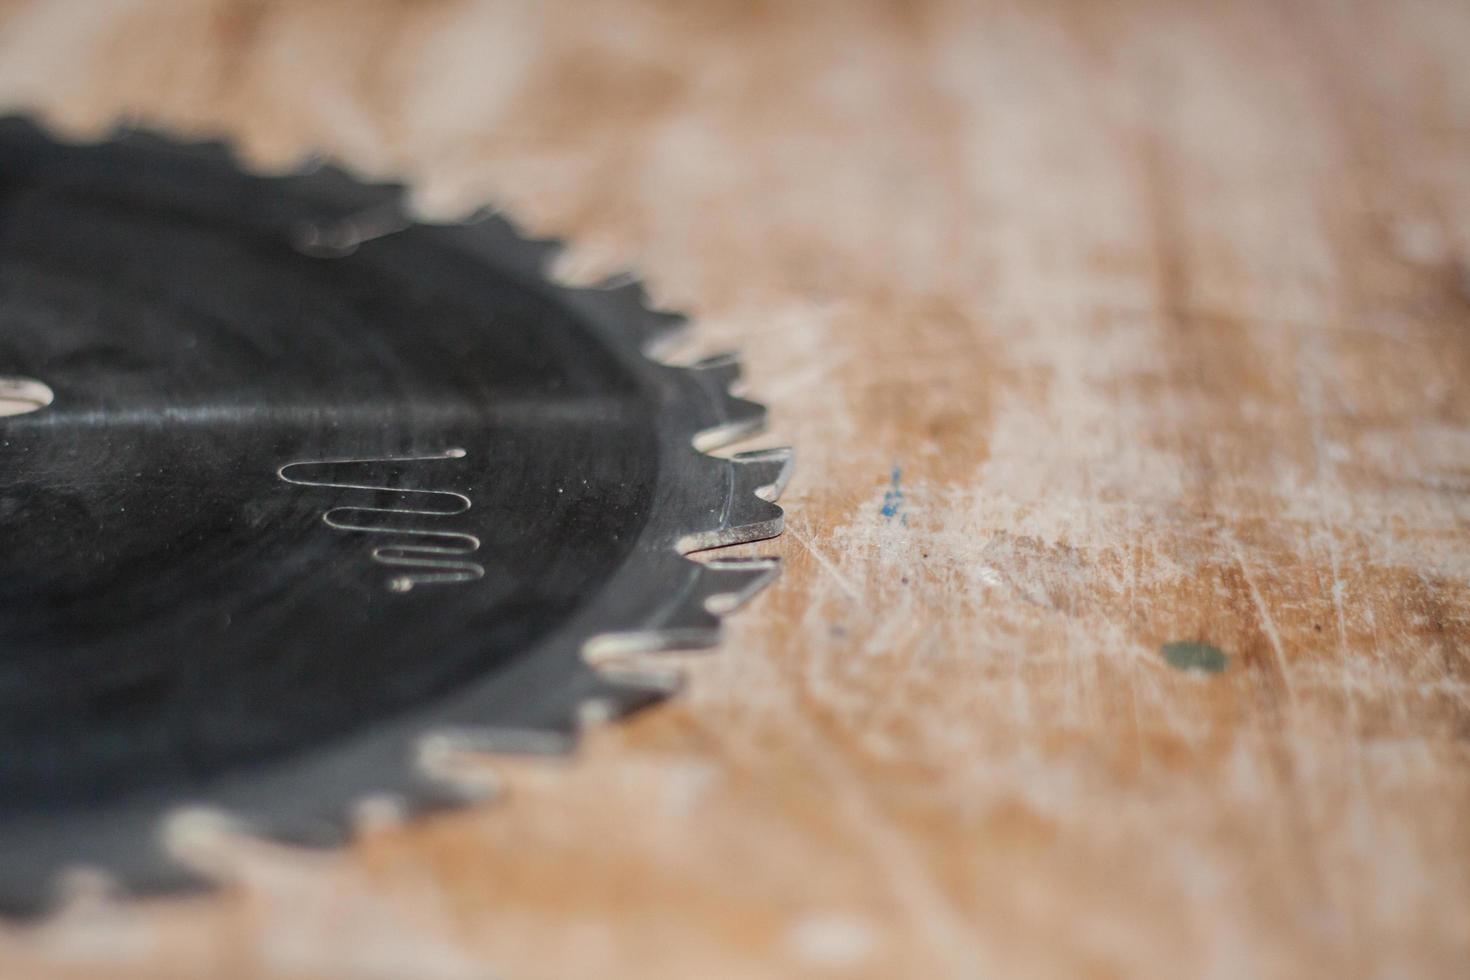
{"x": 1125, "y": 628}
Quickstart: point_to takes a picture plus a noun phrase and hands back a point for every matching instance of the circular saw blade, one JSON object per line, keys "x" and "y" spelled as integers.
{"x": 293, "y": 488}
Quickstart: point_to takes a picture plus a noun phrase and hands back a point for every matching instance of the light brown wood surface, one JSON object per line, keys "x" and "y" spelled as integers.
{"x": 1097, "y": 326}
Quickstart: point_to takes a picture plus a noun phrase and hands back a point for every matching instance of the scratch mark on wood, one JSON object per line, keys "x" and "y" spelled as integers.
{"x": 1263, "y": 612}
{"x": 933, "y": 913}
{"x": 827, "y": 565}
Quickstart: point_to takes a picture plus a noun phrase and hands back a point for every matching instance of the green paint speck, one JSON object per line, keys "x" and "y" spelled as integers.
{"x": 1188, "y": 655}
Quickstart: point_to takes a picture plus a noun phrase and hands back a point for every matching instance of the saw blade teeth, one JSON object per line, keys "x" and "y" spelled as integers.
{"x": 409, "y": 782}
{"x": 136, "y": 854}
{"x": 662, "y": 329}
{"x": 314, "y": 831}
{"x": 651, "y": 327}
{"x": 426, "y": 765}
{"x": 478, "y": 740}
{"x": 755, "y": 480}
{"x": 166, "y": 876}
{"x": 619, "y": 692}
{"x": 684, "y": 628}
{"x": 718, "y": 588}
{"x": 726, "y": 584}
{"x": 491, "y": 231}
{"x": 206, "y": 146}
{"x": 626, "y": 291}
{"x": 759, "y": 477}
{"x": 427, "y": 792}
{"x": 729, "y": 417}
{"x": 723, "y": 369}
{"x": 155, "y": 868}
{"x": 764, "y": 472}
{"x": 447, "y": 779}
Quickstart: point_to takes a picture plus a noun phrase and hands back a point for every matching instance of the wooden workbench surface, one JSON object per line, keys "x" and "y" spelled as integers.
{"x": 1125, "y": 626}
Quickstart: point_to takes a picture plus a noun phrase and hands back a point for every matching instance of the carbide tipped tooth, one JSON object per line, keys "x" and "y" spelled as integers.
{"x": 317, "y": 831}
{"x": 760, "y": 476}
{"x": 620, "y": 692}
{"x": 763, "y": 473}
{"x": 730, "y": 417}
{"x": 720, "y": 587}
{"x": 625, "y": 289}
{"x": 726, "y": 584}
{"x": 509, "y": 741}
{"x": 722, "y": 369}
{"x": 425, "y": 793}
{"x": 441, "y": 790}
{"x": 755, "y": 479}
{"x": 443, "y": 760}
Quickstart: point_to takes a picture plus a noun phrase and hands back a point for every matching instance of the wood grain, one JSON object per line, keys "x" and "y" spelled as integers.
{"x": 1098, "y": 327}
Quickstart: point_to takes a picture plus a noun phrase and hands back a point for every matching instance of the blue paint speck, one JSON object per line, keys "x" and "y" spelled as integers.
{"x": 893, "y": 498}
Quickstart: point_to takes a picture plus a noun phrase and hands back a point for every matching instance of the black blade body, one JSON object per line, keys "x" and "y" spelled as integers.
{"x": 285, "y": 489}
